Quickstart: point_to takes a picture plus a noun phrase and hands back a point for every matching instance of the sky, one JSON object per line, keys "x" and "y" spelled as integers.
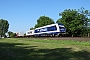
{"x": 23, "y": 14}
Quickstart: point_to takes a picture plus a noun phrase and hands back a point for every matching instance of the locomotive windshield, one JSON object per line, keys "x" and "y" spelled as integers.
{"x": 62, "y": 28}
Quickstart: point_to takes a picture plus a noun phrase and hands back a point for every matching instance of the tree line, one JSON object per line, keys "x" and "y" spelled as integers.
{"x": 76, "y": 21}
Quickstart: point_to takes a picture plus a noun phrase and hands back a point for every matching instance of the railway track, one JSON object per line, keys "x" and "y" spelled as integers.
{"x": 66, "y": 38}
{"x": 61, "y": 38}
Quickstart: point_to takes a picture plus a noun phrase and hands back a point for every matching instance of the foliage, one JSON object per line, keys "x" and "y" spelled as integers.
{"x": 85, "y": 18}
{"x": 85, "y": 14}
{"x": 74, "y": 21}
{"x": 32, "y": 28}
{"x": 71, "y": 20}
{"x": 43, "y": 20}
{"x": 25, "y": 34}
{"x": 4, "y": 25}
{"x": 11, "y": 34}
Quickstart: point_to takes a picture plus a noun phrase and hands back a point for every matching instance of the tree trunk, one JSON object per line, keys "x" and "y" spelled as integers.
{"x": 72, "y": 35}
{"x": 88, "y": 34}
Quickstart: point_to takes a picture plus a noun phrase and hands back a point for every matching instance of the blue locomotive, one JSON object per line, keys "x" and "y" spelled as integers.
{"x": 53, "y": 29}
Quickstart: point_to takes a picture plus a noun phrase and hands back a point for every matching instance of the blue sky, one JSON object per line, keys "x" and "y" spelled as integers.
{"x": 23, "y": 14}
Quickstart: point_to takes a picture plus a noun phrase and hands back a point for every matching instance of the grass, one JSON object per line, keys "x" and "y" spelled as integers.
{"x": 37, "y": 49}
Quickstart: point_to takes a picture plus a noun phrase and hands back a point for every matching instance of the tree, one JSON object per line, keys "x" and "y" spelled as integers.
{"x": 43, "y": 20}
{"x": 24, "y": 34}
{"x": 85, "y": 17}
{"x": 72, "y": 21}
{"x": 4, "y": 25}
{"x": 32, "y": 28}
{"x": 11, "y": 34}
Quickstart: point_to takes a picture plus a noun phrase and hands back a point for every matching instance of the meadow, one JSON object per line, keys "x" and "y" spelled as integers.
{"x": 43, "y": 49}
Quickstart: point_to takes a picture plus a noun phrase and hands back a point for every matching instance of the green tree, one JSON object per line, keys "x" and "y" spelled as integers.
{"x": 24, "y": 34}
{"x": 32, "y": 28}
{"x": 4, "y": 25}
{"x": 43, "y": 20}
{"x": 11, "y": 34}
{"x": 72, "y": 21}
{"x": 85, "y": 17}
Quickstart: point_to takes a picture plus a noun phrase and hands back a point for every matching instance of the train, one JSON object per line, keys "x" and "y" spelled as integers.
{"x": 49, "y": 30}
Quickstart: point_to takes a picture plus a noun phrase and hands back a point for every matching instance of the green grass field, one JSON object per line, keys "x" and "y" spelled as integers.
{"x": 37, "y": 49}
